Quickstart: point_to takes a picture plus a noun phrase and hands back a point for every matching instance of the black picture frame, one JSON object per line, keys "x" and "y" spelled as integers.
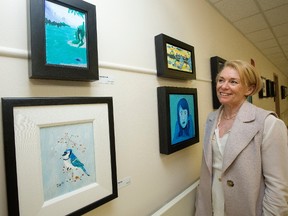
{"x": 268, "y": 88}
{"x": 272, "y": 88}
{"x": 216, "y": 65}
{"x": 62, "y": 50}
{"x": 283, "y": 92}
{"x": 181, "y": 54}
{"x": 263, "y": 93}
{"x": 250, "y": 99}
{"x": 24, "y": 120}
{"x": 173, "y": 135}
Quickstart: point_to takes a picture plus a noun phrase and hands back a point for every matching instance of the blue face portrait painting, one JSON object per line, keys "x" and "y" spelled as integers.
{"x": 182, "y": 123}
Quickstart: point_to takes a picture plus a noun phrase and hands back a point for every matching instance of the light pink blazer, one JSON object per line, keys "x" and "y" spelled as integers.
{"x": 255, "y": 173}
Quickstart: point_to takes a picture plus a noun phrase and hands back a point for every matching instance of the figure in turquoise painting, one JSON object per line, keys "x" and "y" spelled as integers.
{"x": 80, "y": 35}
{"x": 184, "y": 128}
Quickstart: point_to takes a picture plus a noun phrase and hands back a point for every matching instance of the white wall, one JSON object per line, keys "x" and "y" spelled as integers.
{"x": 126, "y": 30}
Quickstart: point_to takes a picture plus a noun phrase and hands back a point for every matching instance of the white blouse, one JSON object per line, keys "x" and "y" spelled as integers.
{"x": 218, "y": 146}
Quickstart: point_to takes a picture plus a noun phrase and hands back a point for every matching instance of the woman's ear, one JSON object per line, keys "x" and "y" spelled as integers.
{"x": 250, "y": 90}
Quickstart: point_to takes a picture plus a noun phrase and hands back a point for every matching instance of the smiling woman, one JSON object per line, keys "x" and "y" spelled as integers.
{"x": 244, "y": 138}
{"x": 235, "y": 83}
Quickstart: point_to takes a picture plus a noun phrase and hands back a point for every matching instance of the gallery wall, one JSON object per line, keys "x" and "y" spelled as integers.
{"x": 126, "y": 52}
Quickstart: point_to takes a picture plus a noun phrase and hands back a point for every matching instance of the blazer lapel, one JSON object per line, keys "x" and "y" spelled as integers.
{"x": 210, "y": 127}
{"x": 243, "y": 131}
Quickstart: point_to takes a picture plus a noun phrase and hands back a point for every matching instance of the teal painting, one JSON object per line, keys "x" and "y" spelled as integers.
{"x": 65, "y": 35}
{"x": 68, "y": 158}
{"x": 182, "y": 120}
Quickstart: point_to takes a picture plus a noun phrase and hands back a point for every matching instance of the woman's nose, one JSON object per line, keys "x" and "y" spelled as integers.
{"x": 224, "y": 85}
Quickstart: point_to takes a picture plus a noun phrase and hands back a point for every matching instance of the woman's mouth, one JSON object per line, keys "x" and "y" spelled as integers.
{"x": 224, "y": 94}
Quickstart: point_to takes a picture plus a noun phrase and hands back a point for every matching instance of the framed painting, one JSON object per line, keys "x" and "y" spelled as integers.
{"x": 63, "y": 40}
{"x": 283, "y": 92}
{"x": 272, "y": 88}
{"x": 59, "y": 154}
{"x": 216, "y": 65}
{"x": 178, "y": 118}
{"x": 250, "y": 99}
{"x": 268, "y": 88}
{"x": 174, "y": 59}
{"x": 263, "y": 92}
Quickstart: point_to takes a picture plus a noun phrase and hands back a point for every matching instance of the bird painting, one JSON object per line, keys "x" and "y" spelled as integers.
{"x": 72, "y": 162}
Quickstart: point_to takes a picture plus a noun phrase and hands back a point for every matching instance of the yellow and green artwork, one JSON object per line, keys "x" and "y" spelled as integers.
{"x": 178, "y": 59}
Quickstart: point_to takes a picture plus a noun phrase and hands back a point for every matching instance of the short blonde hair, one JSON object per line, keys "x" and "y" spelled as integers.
{"x": 249, "y": 76}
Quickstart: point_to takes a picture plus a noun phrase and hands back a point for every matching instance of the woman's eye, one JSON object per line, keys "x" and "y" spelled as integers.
{"x": 234, "y": 82}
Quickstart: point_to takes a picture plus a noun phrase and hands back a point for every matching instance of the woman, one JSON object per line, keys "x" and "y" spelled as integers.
{"x": 245, "y": 155}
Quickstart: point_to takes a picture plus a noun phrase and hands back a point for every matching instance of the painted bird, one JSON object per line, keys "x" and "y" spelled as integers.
{"x": 72, "y": 162}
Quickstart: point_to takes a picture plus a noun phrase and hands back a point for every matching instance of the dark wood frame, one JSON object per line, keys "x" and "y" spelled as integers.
{"x": 9, "y": 105}
{"x": 164, "y": 113}
{"x": 272, "y": 88}
{"x": 283, "y": 92}
{"x": 163, "y": 70}
{"x": 216, "y": 65}
{"x": 38, "y": 69}
{"x": 263, "y": 92}
{"x": 268, "y": 88}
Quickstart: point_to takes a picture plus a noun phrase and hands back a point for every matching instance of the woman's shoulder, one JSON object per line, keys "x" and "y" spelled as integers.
{"x": 273, "y": 120}
{"x": 257, "y": 111}
{"x": 263, "y": 113}
{"x": 269, "y": 117}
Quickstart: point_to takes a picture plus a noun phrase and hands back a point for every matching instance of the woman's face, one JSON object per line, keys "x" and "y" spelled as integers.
{"x": 230, "y": 90}
{"x": 183, "y": 117}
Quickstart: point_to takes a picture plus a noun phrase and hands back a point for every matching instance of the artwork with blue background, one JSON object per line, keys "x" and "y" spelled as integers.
{"x": 65, "y": 32}
{"x": 68, "y": 158}
{"x": 182, "y": 120}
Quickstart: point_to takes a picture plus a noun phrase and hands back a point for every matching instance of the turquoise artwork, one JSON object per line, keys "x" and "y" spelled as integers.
{"x": 182, "y": 117}
{"x": 68, "y": 158}
{"x": 65, "y": 35}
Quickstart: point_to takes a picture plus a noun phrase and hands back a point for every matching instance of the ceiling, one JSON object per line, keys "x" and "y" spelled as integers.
{"x": 263, "y": 22}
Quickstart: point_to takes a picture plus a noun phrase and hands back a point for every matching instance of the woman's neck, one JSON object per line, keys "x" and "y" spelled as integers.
{"x": 230, "y": 112}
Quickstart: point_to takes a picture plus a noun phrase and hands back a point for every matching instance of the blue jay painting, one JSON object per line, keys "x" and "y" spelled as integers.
{"x": 72, "y": 162}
